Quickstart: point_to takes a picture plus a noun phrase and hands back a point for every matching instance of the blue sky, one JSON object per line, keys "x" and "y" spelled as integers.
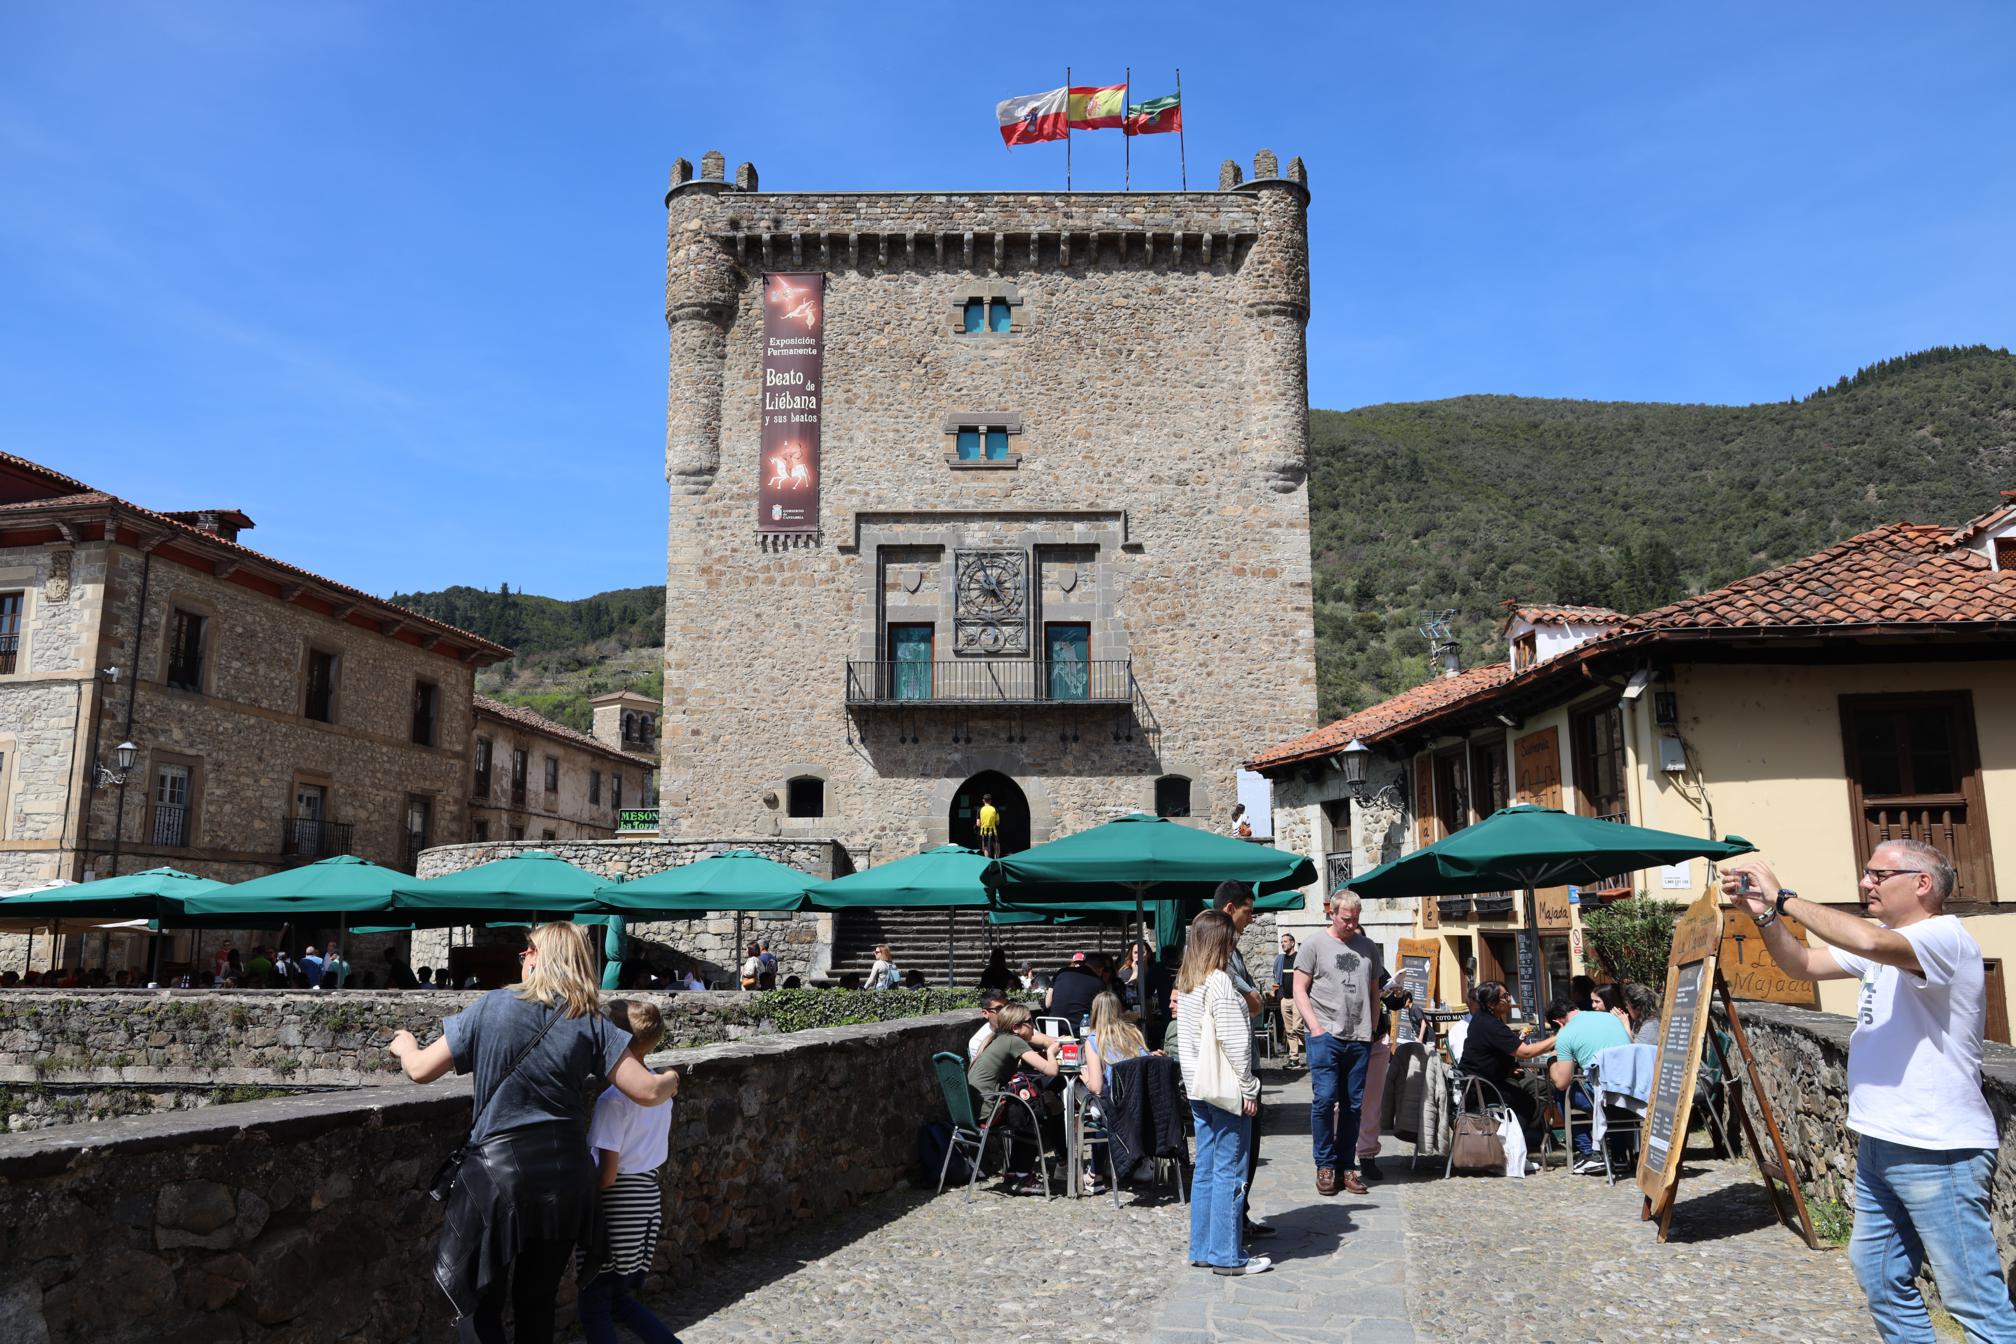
{"x": 389, "y": 277}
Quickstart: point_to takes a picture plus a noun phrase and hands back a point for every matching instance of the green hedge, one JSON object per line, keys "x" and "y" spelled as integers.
{"x": 804, "y": 1009}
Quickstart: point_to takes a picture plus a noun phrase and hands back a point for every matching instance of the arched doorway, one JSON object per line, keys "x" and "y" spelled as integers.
{"x": 963, "y": 824}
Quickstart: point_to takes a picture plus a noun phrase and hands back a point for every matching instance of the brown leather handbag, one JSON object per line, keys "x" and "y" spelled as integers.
{"x": 1477, "y": 1145}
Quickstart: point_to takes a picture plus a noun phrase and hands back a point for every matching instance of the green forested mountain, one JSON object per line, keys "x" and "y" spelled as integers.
{"x": 1464, "y": 504}
{"x": 567, "y": 651}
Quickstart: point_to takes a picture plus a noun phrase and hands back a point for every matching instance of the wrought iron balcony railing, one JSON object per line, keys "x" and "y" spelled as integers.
{"x": 990, "y": 681}
{"x": 171, "y": 826}
{"x": 313, "y": 838}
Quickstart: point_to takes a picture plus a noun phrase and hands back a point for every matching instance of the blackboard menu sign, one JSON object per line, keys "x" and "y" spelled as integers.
{"x": 1529, "y": 974}
{"x": 1683, "y": 1025}
{"x": 1417, "y": 974}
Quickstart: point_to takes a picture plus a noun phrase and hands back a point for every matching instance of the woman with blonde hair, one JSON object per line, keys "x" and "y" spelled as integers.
{"x": 521, "y": 1191}
{"x": 1218, "y": 1186}
{"x": 1111, "y": 1039}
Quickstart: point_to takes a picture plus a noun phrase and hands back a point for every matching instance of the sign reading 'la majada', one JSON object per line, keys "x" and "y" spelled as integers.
{"x": 794, "y": 343}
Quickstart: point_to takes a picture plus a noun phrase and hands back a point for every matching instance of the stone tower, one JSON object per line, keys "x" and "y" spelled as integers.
{"x": 1059, "y": 548}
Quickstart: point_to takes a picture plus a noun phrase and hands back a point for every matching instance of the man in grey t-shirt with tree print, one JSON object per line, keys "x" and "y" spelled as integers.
{"x": 1339, "y": 975}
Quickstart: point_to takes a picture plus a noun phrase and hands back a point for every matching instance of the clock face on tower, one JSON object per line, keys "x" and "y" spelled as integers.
{"x": 992, "y": 596}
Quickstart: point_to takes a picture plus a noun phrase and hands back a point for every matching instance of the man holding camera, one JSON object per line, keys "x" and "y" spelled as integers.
{"x": 1927, "y": 1139}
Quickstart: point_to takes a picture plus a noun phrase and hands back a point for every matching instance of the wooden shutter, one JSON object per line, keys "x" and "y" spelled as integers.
{"x": 1997, "y": 998}
{"x": 1891, "y": 797}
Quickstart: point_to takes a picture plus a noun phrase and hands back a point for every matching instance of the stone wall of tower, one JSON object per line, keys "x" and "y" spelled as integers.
{"x": 1155, "y": 378}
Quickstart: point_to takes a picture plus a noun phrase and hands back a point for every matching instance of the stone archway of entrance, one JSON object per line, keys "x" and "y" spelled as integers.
{"x": 963, "y": 822}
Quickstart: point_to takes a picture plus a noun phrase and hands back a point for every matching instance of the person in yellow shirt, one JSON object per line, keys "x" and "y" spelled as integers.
{"x": 990, "y": 827}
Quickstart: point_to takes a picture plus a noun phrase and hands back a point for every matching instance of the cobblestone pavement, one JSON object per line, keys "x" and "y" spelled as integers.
{"x": 1553, "y": 1258}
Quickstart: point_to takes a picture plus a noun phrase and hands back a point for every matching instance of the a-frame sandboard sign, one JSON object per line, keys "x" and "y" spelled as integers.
{"x": 1691, "y": 978}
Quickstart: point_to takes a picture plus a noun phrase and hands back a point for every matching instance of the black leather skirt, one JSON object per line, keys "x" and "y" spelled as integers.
{"x": 535, "y": 1184}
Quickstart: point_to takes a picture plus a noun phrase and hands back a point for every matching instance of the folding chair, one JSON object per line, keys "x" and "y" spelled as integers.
{"x": 1063, "y": 1028}
{"x": 1089, "y": 1130}
{"x": 966, "y": 1131}
{"x": 1263, "y": 1035}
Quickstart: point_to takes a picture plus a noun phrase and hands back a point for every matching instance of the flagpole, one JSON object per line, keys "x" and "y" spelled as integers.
{"x": 1182, "y": 159}
{"x": 1127, "y": 170}
{"x": 1067, "y": 128}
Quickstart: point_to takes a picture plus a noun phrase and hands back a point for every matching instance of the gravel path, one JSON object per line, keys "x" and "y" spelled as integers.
{"x": 1553, "y": 1258}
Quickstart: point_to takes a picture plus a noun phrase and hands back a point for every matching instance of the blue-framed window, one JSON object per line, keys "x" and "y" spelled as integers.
{"x": 976, "y": 315}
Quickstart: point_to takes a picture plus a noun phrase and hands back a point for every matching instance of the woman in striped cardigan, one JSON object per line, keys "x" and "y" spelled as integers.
{"x": 1218, "y": 1187}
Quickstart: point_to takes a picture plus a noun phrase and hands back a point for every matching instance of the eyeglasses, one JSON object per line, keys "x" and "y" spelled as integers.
{"x": 525, "y": 952}
{"x": 1885, "y": 874}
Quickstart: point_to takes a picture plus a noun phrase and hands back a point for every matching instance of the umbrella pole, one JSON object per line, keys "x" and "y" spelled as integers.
{"x": 951, "y": 939}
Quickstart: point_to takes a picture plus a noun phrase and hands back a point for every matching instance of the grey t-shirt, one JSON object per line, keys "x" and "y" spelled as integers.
{"x": 551, "y": 1084}
{"x": 1344, "y": 977}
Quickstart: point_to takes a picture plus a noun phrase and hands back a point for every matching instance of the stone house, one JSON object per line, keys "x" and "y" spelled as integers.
{"x": 534, "y": 779}
{"x": 1050, "y": 541}
{"x": 1862, "y": 693}
{"x": 277, "y": 716}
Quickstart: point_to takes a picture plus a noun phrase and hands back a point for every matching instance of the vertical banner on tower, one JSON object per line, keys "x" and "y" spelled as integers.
{"x": 794, "y": 321}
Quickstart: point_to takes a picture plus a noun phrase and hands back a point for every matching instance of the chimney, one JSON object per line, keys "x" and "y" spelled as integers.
{"x": 1442, "y": 647}
{"x": 222, "y": 523}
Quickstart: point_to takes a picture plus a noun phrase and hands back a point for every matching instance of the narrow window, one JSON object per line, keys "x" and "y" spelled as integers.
{"x": 1913, "y": 765}
{"x": 419, "y": 826}
{"x": 481, "y": 829}
{"x": 595, "y": 788}
{"x": 616, "y": 792}
{"x": 426, "y": 702}
{"x": 1524, "y": 651}
{"x": 517, "y": 832}
{"x": 1066, "y": 649}
{"x": 552, "y": 774}
{"x": 1000, "y": 316}
{"x": 976, "y": 314}
{"x": 997, "y": 444}
{"x": 1599, "y": 763}
{"x": 185, "y": 651}
{"x": 171, "y": 806}
{"x": 1172, "y": 796}
{"x": 10, "y": 630}
{"x": 910, "y": 662}
{"x": 969, "y": 445}
{"x": 548, "y": 835}
{"x": 518, "y": 777}
{"x": 321, "y": 704}
{"x": 482, "y": 788}
{"x": 805, "y": 796}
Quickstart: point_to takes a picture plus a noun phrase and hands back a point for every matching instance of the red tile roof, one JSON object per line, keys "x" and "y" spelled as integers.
{"x": 1900, "y": 574}
{"x": 539, "y": 723}
{"x": 1384, "y": 719}
{"x": 69, "y": 484}
{"x": 1580, "y": 615}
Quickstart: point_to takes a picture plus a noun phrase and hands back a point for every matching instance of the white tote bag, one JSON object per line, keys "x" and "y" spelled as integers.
{"x": 1515, "y": 1146}
{"x": 1215, "y": 1082}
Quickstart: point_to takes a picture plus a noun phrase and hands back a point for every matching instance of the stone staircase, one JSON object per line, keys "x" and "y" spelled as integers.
{"x": 918, "y": 938}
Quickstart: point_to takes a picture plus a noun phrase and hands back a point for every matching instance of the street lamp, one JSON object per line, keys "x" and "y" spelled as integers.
{"x": 1353, "y": 761}
{"x": 123, "y": 757}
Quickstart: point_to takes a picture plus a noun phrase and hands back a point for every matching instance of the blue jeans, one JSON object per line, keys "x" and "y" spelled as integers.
{"x": 1579, "y": 1134}
{"x": 606, "y": 1303}
{"x": 1918, "y": 1204}
{"x": 1218, "y": 1186}
{"x": 1336, "y": 1078}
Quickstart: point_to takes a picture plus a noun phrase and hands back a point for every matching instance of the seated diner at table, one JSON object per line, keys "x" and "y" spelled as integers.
{"x": 1492, "y": 1051}
{"x": 1584, "y": 1032}
{"x": 1012, "y": 1050}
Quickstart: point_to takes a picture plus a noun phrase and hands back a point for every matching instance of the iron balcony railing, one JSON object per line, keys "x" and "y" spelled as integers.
{"x": 171, "y": 825}
{"x": 313, "y": 838}
{"x": 415, "y": 842}
{"x": 10, "y": 648}
{"x": 989, "y": 681}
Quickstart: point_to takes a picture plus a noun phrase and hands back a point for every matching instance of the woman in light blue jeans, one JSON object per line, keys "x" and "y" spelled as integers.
{"x": 1914, "y": 1205}
{"x": 1218, "y": 1185}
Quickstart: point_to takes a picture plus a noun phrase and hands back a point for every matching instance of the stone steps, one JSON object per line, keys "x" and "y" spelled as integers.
{"x": 918, "y": 938}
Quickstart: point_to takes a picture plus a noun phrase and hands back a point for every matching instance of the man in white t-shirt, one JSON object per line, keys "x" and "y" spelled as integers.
{"x": 1928, "y": 1141}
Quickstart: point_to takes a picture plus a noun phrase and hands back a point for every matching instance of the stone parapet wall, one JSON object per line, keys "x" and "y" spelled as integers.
{"x": 263, "y": 1037}
{"x": 1802, "y": 1060}
{"x": 306, "y": 1219}
{"x": 803, "y": 943}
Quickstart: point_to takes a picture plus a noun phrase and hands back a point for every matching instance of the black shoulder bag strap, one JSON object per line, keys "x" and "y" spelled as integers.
{"x": 444, "y": 1178}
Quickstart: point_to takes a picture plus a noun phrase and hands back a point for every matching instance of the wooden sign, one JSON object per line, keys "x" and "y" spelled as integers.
{"x": 1536, "y": 779}
{"x": 1418, "y": 957}
{"x": 1750, "y": 972}
{"x": 1690, "y": 981}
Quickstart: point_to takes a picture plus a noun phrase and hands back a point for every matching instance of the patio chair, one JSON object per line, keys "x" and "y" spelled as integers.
{"x": 1617, "y": 1111}
{"x": 1711, "y": 1089}
{"x": 1060, "y": 1027}
{"x": 966, "y": 1132}
{"x": 1091, "y": 1133}
{"x": 1263, "y": 1035}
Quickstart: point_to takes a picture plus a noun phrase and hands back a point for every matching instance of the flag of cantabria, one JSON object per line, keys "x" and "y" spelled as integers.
{"x": 1098, "y": 109}
{"x": 1034, "y": 117}
{"x": 1156, "y": 116}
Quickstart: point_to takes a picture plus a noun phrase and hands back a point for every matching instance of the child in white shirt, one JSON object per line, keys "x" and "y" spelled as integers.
{"x": 630, "y": 1144}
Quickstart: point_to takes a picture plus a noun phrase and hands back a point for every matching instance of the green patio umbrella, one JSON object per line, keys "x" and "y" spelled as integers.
{"x": 738, "y": 879}
{"x": 153, "y": 894}
{"x": 1138, "y": 854}
{"x": 946, "y": 878}
{"x": 343, "y": 885}
{"x": 1531, "y": 847}
{"x": 535, "y": 882}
